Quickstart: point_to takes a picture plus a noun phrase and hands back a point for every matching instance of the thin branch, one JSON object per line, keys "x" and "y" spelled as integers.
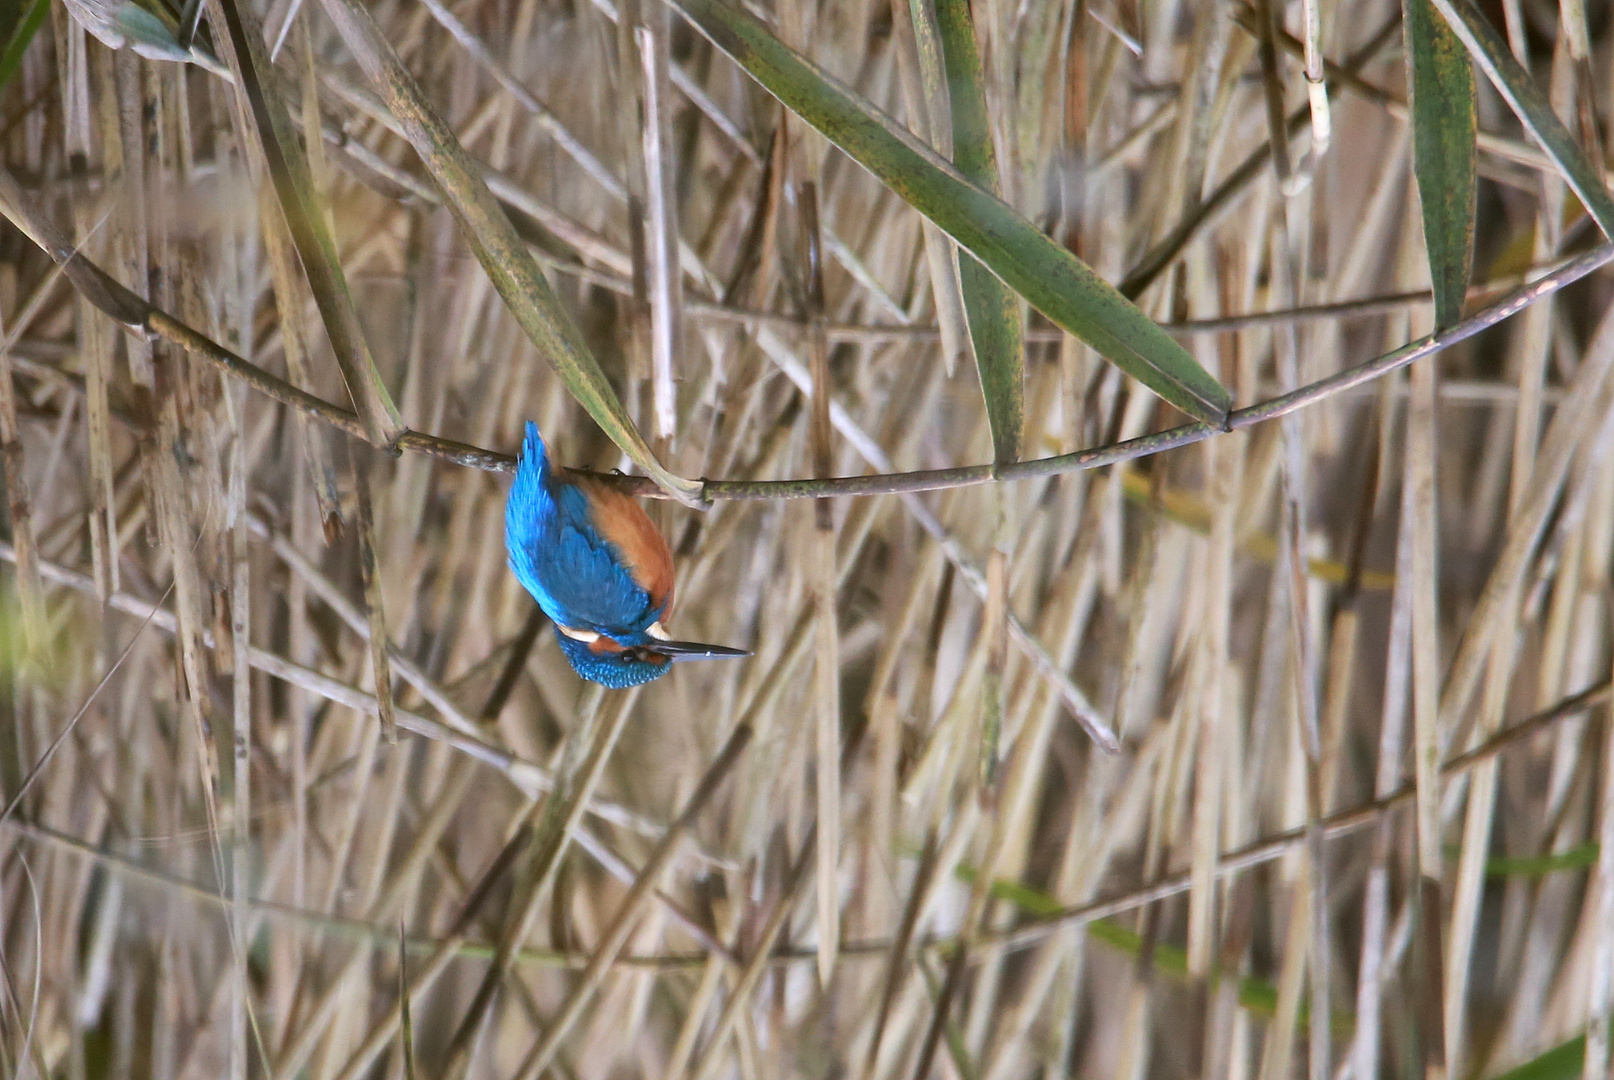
{"x": 1023, "y": 936}
{"x": 1333, "y": 826}
{"x": 140, "y": 316}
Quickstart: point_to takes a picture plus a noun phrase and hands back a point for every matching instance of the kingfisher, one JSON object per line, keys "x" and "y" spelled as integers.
{"x": 599, "y": 569}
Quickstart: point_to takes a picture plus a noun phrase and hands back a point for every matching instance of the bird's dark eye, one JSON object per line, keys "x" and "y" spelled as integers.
{"x": 639, "y": 654}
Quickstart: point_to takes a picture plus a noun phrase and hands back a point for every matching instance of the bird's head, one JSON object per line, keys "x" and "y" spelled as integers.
{"x": 610, "y": 663}
{"x": 618, "y": 669}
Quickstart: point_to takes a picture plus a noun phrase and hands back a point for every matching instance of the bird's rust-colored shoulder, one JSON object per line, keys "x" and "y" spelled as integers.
{"x": 621, "y": 520}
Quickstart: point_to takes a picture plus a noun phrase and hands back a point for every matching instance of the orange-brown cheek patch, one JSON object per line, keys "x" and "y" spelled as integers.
{"x": 604, "y": 646}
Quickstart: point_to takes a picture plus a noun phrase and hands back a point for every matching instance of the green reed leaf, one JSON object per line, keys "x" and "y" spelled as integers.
{"x": 1443, "y": 132}
{"x": 1053, "y": 280}
{"x": 991, "y": 307}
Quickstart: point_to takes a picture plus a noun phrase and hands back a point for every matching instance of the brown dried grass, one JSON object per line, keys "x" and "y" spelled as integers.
{"x": 1052, "y": 911}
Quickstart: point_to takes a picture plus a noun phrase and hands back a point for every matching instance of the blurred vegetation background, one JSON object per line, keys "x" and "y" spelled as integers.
{"x": 1270, "y": 753}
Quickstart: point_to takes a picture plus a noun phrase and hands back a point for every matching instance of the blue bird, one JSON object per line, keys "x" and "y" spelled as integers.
{"x": 597, "y": 566}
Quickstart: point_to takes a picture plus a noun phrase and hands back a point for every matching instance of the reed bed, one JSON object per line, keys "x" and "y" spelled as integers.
{"x": 1080, "y": 738}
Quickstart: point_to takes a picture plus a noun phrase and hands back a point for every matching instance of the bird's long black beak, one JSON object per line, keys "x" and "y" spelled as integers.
{"x": 694, "y": 650}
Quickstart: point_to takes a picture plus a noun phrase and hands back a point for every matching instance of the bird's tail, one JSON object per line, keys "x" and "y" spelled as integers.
{"x": 527, "y": 495}
{"x": 534, "y": 455}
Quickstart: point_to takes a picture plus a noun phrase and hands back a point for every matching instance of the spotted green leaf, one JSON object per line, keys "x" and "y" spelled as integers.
{"x": 1531, "y": 106}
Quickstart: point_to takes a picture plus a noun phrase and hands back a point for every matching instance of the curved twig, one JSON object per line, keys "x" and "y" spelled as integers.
{"x": 140, "y": 316}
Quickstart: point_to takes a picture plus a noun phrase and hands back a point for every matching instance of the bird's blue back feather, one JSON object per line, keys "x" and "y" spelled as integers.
{"x": 575, "y": 574}
{"x": 581, "y": 579}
